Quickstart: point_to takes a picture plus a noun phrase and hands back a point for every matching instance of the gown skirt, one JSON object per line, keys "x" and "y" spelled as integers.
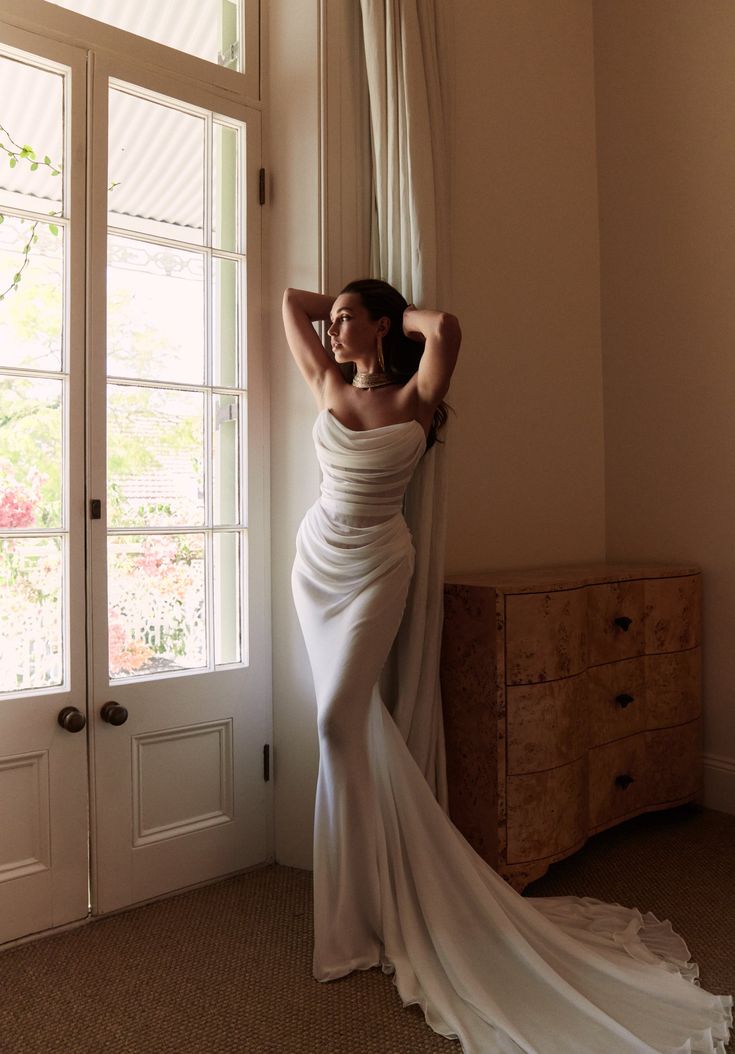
{"x": 395, "y": 883}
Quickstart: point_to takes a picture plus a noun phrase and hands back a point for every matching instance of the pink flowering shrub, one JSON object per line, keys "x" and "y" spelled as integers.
{"x": 31, "y": 614}
{"x": 126, "y": 655}
{"x": 156, "y": 604}
{"x": 18, "y": 501}
{"x": 16, "y": 510}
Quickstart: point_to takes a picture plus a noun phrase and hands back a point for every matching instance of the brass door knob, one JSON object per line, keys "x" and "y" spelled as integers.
{"x": 113, "y": 713}
{"x": 72, "y": 719}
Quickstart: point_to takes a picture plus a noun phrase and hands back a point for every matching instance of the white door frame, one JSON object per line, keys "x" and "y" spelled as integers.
{"x": 46, "y": 29}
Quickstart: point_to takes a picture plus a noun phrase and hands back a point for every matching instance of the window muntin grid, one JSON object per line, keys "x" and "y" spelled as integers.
{"x": 34, "y": 374}
{"x": 177, "y": 512}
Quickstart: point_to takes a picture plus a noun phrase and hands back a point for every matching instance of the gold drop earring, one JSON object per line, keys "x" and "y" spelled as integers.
{"x": 381, "y": 360}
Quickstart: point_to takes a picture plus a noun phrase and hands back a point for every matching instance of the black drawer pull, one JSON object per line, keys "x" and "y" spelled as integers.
{"x": 624, "y": 622}
{"x": 624, "y": 780}
{"x": 624, "y": 699}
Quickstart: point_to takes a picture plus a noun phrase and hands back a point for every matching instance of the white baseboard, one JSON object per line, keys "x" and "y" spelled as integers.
{"x": 719, "y": 783}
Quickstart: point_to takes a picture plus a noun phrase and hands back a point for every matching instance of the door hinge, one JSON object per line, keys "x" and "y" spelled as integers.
{"x": 267, "y": 762}
{"x": 95, "y": 509}
{"x": 261, "y": 186}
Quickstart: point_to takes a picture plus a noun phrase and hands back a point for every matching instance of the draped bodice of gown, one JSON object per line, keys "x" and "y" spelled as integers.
{"x": 395, "y": 883}
{"x": 365, "y": 473}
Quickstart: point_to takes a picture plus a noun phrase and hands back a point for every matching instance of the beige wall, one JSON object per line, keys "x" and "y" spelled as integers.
{"x": 665, "y": 102}
{"x": 527, "y": 457}
{"x": 292, "y": 257}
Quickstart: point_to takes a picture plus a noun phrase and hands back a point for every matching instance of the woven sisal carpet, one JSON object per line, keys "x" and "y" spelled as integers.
{"x": 227, "y": 968}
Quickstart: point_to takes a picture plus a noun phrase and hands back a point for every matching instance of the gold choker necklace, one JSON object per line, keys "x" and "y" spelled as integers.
{"x": 364, "y": 379}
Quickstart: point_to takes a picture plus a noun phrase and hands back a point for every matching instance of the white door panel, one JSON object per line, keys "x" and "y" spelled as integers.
{"x": 43, "y": 768}
{"x": 180, "y": 794}
{"x": 43, "y": 819}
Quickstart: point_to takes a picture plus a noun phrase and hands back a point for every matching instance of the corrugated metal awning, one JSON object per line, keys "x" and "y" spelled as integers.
{"x": 193, "y": 26}
{"x": 156, "y": 156}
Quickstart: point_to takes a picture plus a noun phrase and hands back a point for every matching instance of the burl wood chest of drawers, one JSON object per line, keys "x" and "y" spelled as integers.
{"x": 572, "y": 701}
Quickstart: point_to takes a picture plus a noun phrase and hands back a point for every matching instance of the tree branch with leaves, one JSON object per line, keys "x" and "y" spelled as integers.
{"x": 18, "y": 153}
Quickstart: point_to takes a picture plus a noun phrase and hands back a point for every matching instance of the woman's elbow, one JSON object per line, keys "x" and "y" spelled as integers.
{"x": 291, "y": 304}
{"x": 449, "y": 329}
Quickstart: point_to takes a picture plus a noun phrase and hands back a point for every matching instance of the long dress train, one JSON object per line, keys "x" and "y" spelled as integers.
{"x": 395, "y": 883}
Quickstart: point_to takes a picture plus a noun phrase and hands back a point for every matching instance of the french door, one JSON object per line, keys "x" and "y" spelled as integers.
{"x": 134, "y": 702}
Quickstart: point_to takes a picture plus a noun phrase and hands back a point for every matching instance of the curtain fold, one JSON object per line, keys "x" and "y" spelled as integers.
{"x": 409, "y": 154}
{"x": 408, "y": 244}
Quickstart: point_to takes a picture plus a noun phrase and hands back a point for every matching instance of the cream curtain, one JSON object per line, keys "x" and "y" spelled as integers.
{"x": 408, "y": 250}
{"x": 409, "y": 156}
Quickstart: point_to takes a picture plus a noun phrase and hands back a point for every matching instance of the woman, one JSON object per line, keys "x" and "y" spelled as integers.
{"x": 395, "y": 884}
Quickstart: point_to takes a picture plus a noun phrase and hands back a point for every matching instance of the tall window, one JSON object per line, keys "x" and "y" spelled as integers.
{"x": 34, "y": 514}
{"x": 176, "y": 457}
{"x": 176, "y": 386}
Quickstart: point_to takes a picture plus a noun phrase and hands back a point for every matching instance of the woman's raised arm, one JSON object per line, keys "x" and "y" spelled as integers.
{"x": 442, "y": 337}
{"x": 300, "y": 309}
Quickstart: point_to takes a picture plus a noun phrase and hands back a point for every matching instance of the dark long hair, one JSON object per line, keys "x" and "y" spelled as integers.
{"x": 400, "y": 354}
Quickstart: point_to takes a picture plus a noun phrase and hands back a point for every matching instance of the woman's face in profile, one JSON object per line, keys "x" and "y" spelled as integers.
{"x": 353, "y": 333}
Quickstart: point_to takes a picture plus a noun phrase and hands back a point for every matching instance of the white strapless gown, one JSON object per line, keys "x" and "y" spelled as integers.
{"x": 395, "y": 883}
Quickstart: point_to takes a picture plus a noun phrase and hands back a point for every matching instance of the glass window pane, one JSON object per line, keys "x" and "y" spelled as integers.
{"x": 155, "y": 312}
{"x": 156, "y": 599}
{"x": 156, "y": 168}
{"x": 227, "y": 636}
{"x": 225, "y": 321}
{"x": 31, "y": 430}
{"x": 206, "y": 28}
{"x": 31, "y": 613}
{"x": 31, "y": 293}
{"x": 175, "y": 456}
{"x": 226, "y": 230}
{"x": 155, "y": 457}
{"x": 225, "y": 452}
{"x": 32, "y": 138}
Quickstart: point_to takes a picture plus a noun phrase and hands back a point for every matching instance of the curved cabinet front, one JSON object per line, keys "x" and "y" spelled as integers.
{"x": 572, "y": 701}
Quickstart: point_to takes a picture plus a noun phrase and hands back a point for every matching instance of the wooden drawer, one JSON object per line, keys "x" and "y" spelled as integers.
{"x": 610, "y": 768}
{"x": 547, "y": 724}
{"x": 615, "y": 621}
{"x": 546, "y": 635}
{"x": 547, "y": 812}
{"x": 616, "y": 700}
{"x": 673, "y": 688}
{"x": 673, "y": 613}
{"x": 673, "y": 757}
